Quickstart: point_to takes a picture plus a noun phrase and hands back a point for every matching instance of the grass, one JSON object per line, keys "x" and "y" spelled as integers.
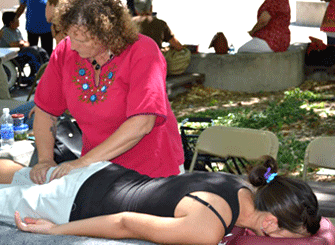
{"x": 296, "y": 106}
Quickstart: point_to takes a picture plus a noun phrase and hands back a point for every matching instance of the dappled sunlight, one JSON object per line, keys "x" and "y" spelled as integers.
{"x": 297, "y": 116}
{"x": 324, "y": 87}
{"x": 201, "y": 98}
{"x": 250, "y": 102}
{"x": 325, "y": 197}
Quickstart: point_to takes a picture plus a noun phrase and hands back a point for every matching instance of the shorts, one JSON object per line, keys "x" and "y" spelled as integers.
{"x": 52, "y": 201}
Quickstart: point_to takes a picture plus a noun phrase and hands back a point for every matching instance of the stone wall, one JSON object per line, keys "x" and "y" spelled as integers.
{"x": 252, "y": 72}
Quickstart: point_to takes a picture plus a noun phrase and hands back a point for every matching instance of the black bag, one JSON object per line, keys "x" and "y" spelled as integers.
{"x": 68, "y": 142}
{"x": 324, "y": 57}
{"x": 189, "y": 141}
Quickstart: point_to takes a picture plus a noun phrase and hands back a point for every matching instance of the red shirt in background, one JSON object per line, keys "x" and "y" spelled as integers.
{"x": 328, "y": 22}
{"x": 276, "y": 33}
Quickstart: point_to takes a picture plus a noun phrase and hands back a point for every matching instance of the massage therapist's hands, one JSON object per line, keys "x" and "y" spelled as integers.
{"x": 41, "y": 226}
{"x": 127, "y": 136}
{"x": 64, "y": 168}
{"x": 39, "y": 171}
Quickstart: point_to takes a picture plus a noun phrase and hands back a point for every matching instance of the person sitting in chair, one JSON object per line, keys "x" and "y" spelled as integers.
{"x": 31, "y": 55}
{"x": 10, "y": 33}
{"x": 193, "y": 208}
{"x": 153, "y": 27}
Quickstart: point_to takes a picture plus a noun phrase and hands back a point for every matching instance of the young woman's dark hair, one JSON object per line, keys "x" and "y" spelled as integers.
{"x": 8, "y": 17}
{"x": 290, "y": 200}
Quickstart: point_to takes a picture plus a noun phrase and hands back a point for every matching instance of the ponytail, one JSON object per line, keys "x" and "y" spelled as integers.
{"x": 290, "y": 200}
{"x": 259, "y": 175}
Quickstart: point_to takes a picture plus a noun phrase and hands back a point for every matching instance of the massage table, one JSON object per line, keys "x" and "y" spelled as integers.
{"x": 325, "y": 236}
{"x": 10, "y": 235}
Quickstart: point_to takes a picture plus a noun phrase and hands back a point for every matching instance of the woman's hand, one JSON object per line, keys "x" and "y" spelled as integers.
{"x": 39, "y": 171}
{"x": 34, "y": 225}
{"x": 64, "y": 168}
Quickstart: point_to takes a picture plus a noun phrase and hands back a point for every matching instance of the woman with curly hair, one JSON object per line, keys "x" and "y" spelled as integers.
{"x": 112, "y": 81}
{"x": 192, "y": 208}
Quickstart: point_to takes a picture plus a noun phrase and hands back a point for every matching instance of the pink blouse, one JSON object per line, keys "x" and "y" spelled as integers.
{"x": 131, "y": 84}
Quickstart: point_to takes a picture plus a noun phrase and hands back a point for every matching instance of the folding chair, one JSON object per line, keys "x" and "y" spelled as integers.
{"x": 320, "y": 152}
{"x": 235, "y": 144}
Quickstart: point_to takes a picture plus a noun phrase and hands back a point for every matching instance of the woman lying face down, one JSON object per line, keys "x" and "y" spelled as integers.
{"x": 193, "y": 208}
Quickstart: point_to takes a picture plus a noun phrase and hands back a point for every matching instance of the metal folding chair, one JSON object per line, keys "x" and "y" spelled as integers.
{"x": 236, "y": 144}
{"x": 320, "y": 152}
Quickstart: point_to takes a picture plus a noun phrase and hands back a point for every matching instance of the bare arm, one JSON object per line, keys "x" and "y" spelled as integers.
{"x": 189, "y": 229}
{"x": 20, "y": 10}
{"x": 45, "y": 133}
{"x": 122, "y": 140}
{"x": 262, "y": 21}
{"x": 20, "y": 44}
{"x": 175, "y": 44}
{"x": 125, "y": 138}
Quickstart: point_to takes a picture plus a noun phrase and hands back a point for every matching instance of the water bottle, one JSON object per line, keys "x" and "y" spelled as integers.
{"x": 6, "y": 129}
{"x": 231, "y": 49}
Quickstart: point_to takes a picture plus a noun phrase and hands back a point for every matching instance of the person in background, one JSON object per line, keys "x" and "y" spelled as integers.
{"x": 57, "y": 33}
{"x": 271, "y": 33}
{"x": 36, "y": 24}
{"x": 328, "y": 22}
{"x": 153, "y": 27}
{"x": 112, "y": 81}
{"x": 11, "y": 37}
{"x": 10, "y": 33}
{"x": 130, "y": 5}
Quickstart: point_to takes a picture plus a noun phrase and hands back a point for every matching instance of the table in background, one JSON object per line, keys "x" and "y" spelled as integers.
{"x": 20, "y": 152}
{"x": 6, "y": 54}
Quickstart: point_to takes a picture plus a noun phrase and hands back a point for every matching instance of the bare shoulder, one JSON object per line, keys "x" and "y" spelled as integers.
{"x": 189, "y": 206}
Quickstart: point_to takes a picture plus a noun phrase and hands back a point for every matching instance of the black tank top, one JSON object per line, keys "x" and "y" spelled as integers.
{"x": 116, "y": 189}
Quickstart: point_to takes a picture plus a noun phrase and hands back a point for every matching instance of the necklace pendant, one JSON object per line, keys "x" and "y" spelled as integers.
{"x": 97, "y": 67}
{"x": 94, "y": 62}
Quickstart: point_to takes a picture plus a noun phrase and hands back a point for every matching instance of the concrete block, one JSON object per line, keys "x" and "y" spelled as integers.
{"x": 252, "y": 72}
{"x": 310, "y": 13}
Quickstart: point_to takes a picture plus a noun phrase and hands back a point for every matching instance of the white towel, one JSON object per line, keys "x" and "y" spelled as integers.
{"x": 52, "y": 201}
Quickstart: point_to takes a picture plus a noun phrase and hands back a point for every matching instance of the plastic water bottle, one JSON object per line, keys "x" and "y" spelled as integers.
{"x": 231, "y": 49}
{"x": 6, "y": 129}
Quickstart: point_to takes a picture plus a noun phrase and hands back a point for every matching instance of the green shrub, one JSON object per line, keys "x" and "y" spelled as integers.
{"x": 277, "y": 115}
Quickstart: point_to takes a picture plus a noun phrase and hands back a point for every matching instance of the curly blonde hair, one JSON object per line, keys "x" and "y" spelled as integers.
{"x": 108, "y": 20}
